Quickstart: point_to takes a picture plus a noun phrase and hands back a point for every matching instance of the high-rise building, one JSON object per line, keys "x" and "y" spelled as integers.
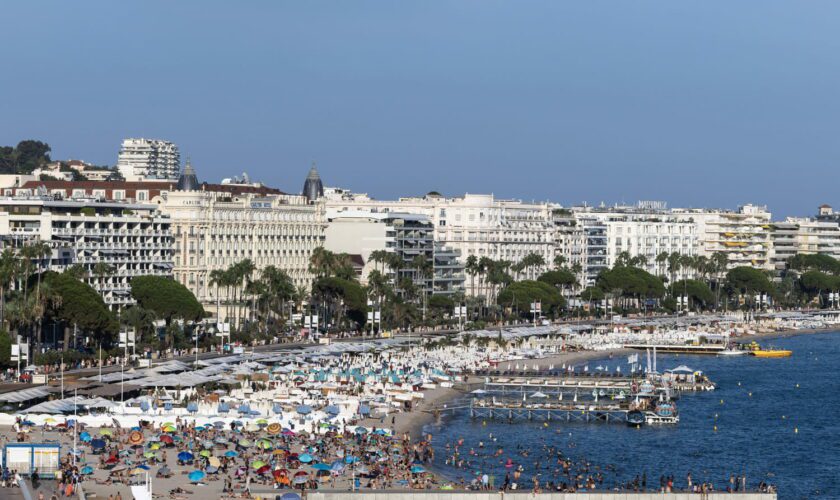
{"x": 149, "y": 159}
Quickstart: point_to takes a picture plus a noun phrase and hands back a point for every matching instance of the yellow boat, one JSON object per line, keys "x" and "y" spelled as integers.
{"x": 772, "y": 353}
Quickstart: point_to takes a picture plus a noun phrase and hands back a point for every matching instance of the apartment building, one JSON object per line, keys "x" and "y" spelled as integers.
{"x": 149, "y": 159}
{"x": 406, "y": 235}
{"x": 473, "y": 225}
{"x": 130, "y": 239}
{"x": 744, "y": 235}
{"x": 804, "y": 235}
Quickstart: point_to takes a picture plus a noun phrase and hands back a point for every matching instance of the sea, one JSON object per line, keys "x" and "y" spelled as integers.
{"x": 773, "y": 420}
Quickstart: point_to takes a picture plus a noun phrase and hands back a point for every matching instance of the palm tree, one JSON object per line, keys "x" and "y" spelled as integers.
{"x": 471, "y": 268}
{"x": 674, "y": 262}
{"x": 661, "y": 259}
{"x": 8, "y": 266}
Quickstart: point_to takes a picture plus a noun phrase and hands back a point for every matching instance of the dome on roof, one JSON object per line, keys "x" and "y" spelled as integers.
{"x": 313, "y": 188}
{"x": 188, "y": 180}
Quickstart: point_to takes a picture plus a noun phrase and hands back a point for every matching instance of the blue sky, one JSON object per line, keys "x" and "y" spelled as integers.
{"x": 696, "y": 103}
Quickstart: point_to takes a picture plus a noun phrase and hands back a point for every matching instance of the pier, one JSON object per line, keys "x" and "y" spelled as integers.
{"x": 569, "y": 412}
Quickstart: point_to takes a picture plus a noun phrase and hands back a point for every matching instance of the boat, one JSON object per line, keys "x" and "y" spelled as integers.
{"x": 732, "y": 352}
{"x": 766, "y": 352}
{"x": 772, "y": 353}
{"x": 635, "y": 418}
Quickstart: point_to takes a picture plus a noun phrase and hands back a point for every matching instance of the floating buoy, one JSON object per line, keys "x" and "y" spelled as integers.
{"x": 783, "y": 417}
{"x": 716, "y": 415}
{"x": 797, "y": 386}
{"x": 796, "y": 430}
{"x": 484, "y": 423}
{"x": 721, "y": 401}
{"x": 739, "y": 384}
{"x": 750, "y": 394}
{"x": 545, "y": 424}
{"x": 715, "y": 428}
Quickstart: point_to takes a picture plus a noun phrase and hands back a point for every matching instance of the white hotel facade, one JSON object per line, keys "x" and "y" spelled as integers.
{"x": 214, "y": 230}
{"x": 474, "y": 225}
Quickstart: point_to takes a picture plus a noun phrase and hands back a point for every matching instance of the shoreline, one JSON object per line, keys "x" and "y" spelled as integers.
{"x": 415, "y": 421}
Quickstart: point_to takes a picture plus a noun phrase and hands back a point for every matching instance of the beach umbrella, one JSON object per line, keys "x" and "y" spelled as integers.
{"x": 287, "y": 432}
{"x": 137, "y": 471}
{"x": 256, "y": 464}
{"x": 135, "y": 438}
{"x": 252, "y": 427}
{"x": 305, "y": 458}
{"x": 211, "y": 470}
{"x": 360, "y": 430}
{"x": 214, "y": 462}
{"x": 416, "y": 469}
{"x": 273, "y": 429}
{"x": 218, "y": 424}
{"x": 264, "y": 444}
{"x": 263, "y": 469}
{"x": 244, "y": 443}
{"x": 290, "y": 496}
{"x": 321, "y": 467}
{"x": 350, "y": 459}
{"x": 185, "y": 456}
{"x": 196, "y": 476}
{"x": 262, "y": 422}
{"x": 169, "y": 428}
{"x": 149, "y": 454}
{"x": 166, "y": 438}
{"x": 220, "y": 440}
{"x": 85, "y": 437}
{"x": 204, "y": 453}
{"x": 208, "y": 444}
{"x": 231, "y": 454}
{"x": 154, "y": 446}
{"x": 304, "y": 409}
{"x": 97, "y": 444}
{"x": 105, "y": 432}
{"x": 164, "y": 470}
{"x": 86, "y": 470}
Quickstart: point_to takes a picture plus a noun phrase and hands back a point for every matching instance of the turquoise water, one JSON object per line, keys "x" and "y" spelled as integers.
{"x": 757, "y": 409}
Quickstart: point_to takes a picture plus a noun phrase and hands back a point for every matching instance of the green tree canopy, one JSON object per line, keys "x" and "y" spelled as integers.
{"x": 522, "y": 293}
{"x": 697, "y": 291}
{"x": 561, "y": 277}
{"x": 631, "y": 282}
{"x": 592, "y": 293}
{"x": 814, "y": 262}
{"x": 81, "y": 305}
{"x": 747, "y": 280}
{"x": 166, "y": 298}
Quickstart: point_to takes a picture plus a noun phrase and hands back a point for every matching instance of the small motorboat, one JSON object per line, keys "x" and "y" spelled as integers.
{"x": 635, "y": 418}
{"x": 772, "y": 353}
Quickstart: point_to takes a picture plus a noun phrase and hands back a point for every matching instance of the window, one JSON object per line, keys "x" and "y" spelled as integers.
{"x": 142, "y": 195}
{"x": 119, "y": 194}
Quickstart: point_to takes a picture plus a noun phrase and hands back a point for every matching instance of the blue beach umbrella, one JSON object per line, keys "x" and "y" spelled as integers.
{"x": 86, "y": 470}
{"x": 305, "y": 458}
{"x": 417, "y": 469}
{"x": 321, "y": 467}
{"x": 97, "y": 444}
{"x": 85, "y": 437}
{"x": 185, "y": 456}
{"x": 196, "y": 476}
{"x": 304, "y": 409}
{"x": 231, "y": 454}
{"x": 290, "y": 496}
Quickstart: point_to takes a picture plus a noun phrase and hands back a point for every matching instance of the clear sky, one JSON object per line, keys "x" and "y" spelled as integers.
{"x": 693, "y": 102}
